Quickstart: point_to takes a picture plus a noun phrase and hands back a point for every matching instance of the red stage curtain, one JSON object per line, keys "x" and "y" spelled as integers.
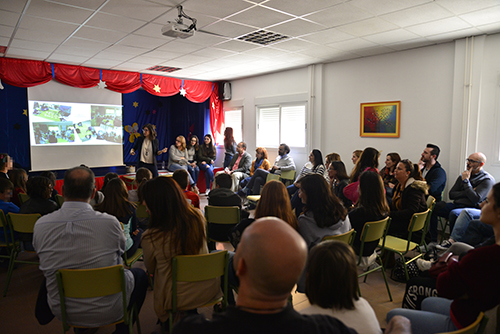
{"x": 160, "y": 86}
{"x": 121, "y": 82}
{"x": 28, "y": 73}
{"x": 76, "y": 76}
{"x": 198, "y": 91}
{"x": 24, "y": 73}
{"x": 216, "y": 115}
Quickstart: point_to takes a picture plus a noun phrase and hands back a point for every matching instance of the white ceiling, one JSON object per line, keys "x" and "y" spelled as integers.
{"x": 126, "y": 34}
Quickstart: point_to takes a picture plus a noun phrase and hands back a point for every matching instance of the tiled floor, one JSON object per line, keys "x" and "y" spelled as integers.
{"x": 17, "y": 308}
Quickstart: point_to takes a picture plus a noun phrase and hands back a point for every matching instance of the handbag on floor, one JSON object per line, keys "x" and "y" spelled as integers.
{"x": 398, "y": 272}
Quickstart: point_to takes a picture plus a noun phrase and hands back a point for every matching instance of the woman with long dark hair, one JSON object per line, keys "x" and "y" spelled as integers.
{"x": 332, "y": 287}
{"x": 207, "y": 154}
{"x": 192, "y": 152}
{"x": 409, "y": 197}
{"x": 367, "y": 161}
{"x": 470, "y": 286}
{"x": 316, "y": 160}
{"x": 274, "y": 201}
{"x": 19, "y": 177}
{"x": 116, "y": 203}
{"x": 148, "y": 147}
{"x": 323, "y": 214}
{"x": 371, "y": 206}
{"x": 338, "y": 181}
{"x": 229, "y": 146}
{"x": 175, "y": 228}
{"x": 387, "y": 174}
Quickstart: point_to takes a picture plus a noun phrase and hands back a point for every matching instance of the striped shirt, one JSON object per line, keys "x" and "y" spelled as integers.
{"x": 77, "y": 237}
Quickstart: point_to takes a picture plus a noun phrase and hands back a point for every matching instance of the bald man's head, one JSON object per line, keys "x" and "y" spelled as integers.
{"x": 270, "y": 256}
{"x": 476, "y": 161}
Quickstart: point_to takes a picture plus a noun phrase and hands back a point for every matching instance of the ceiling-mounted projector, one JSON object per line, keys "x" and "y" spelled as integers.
{"x": 177, "y": 30}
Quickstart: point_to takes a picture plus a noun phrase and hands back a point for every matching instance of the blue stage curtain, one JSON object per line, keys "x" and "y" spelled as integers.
{"x": 14, "y": 127}
{"x": 172, "y": 116}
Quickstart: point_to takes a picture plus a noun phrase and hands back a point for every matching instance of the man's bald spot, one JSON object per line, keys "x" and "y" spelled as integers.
{"x": 479, "y": 157}
{"x": 274, "y": 255}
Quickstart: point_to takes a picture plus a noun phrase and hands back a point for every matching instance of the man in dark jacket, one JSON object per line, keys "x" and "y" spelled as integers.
{"x": 470, "y": 189}
{"x": 435, "y": 176}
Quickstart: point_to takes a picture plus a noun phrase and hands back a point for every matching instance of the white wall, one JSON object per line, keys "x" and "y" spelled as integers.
{"x": 428, "y": 81}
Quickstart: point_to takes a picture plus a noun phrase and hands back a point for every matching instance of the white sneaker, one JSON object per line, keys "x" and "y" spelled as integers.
{"x": 206, "y": 192}
{"x": 424, "y": 265}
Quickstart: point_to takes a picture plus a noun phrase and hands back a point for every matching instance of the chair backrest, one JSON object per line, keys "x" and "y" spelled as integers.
{"x": 418, "y": 221}
{"x": 23, "y": 222}
{"x": 141, "y": 211}
{"x": 373, "y": 231}
{"x": 476, "y": 327}
{"x": 195, "y": 268}
{"x": 271, "y": 176}
{"x": 222, "y": 214}
{"x": 89, "y": 283}
{"x": 288, "y": 175}
{"x": 347, "y": 237}
{"x": 59, "y": 200}
{"x": 23, "y": 197}
{"x": 4, "y": 225}
{"x": 430, "y": 201}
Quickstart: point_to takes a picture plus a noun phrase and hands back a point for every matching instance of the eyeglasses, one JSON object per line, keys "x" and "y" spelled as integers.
{"x": 145, "y": 130}
{"x": 473, "y": 161}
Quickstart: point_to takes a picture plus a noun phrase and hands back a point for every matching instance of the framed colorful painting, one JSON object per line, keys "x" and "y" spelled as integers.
{"x": 380, "y": 119}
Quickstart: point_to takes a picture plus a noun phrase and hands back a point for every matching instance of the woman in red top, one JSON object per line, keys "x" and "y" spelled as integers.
{"x": 471, "y": 285}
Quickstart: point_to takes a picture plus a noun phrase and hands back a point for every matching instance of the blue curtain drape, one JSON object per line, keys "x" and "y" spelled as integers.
{"x": 172, "y": 116}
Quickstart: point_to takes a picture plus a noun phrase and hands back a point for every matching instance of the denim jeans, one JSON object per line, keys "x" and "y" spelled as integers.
{"x": 194, "y": 172}
{"x": 462, "y": 223}
{"x": 433, "y": 318}
{"x": 209, "y": 174}
{"x": 174, "y": 167}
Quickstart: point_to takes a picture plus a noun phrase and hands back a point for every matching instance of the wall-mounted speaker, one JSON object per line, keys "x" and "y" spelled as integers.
{"x": 226, "y": 91}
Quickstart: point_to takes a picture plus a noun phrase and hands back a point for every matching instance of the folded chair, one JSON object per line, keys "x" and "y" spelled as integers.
{"x": 90, "y": 283}
{"x": 195, "y": 268}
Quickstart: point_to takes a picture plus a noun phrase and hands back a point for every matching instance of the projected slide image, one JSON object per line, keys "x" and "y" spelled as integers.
{"x": 89, "y": 123}
{"x": 50, "y": 111}
{"x": 53, "y": 133}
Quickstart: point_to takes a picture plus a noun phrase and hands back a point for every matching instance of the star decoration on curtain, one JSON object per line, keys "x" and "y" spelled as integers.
{"x": 1, "y": 86}
{"x": 147, "y": 112}
{"x": 135, "y": 104}
{"x": 182, "y": 91}
{"x": 157, "y": 88}
{"x": 101, "y": 84}
{"x": 154, "y": 111}
{"x": 17, "y": 126}
{"x": 213, "y": 105}
{"x": 25, "y": 112}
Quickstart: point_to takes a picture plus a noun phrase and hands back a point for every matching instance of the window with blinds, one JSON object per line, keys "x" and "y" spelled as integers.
{"x": 233, "y": 120}
{"x": 281, "y": 124}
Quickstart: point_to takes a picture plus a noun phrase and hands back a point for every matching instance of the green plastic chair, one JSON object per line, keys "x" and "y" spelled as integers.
{"x": 403, "y": 246}
{"x": 195, "y": 268}
{"x": 373, "y": 231}
{"x": 59, "y": 200}
{"x": 8, "y": 243}
{"x": 20, "y": 223}
{"x": 431, "y": 203}
{"x": 288, "y": 177}
{"x": 254, "y": 199}
{"x": 90, "y": 283}
{"x": 347, "y": 237}
{"x": 23, "y": 198}
{"x": 224, "y": 215}
{"x": 141, "y": 211}
{"x": 128, "y": 262}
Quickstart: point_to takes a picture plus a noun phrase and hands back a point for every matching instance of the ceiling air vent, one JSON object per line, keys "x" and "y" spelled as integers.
{"x": 263, "y": 37}
{"x": 166, "y": 69}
